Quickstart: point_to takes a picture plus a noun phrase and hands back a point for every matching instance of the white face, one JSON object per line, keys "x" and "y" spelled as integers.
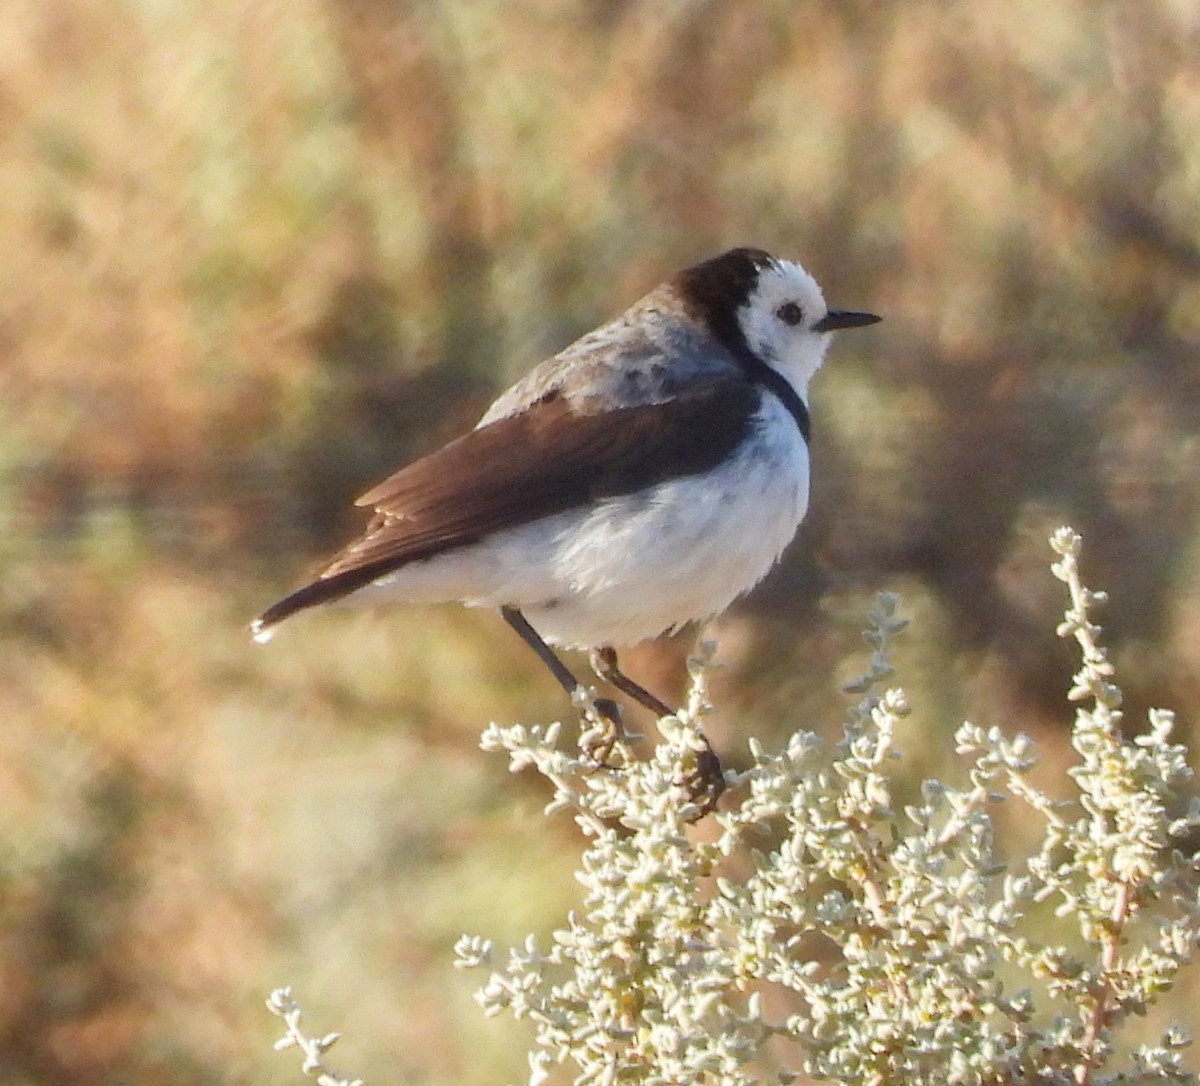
{"x": 778, "y": 320}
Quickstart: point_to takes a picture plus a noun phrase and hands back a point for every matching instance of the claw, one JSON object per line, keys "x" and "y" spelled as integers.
{"x": 607, "y": 730}
{"x": 706, "y": 782}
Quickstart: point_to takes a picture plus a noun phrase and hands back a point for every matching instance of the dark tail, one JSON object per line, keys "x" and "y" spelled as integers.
{"x": 325, "y": 590}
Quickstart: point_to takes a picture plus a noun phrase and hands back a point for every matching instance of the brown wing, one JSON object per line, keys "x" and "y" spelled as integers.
{"x": 551, "y": 457}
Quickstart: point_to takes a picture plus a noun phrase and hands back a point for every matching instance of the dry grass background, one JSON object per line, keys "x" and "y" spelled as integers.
{"x": 256, "y": 254}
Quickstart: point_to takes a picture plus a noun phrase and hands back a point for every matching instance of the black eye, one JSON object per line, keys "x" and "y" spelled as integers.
{"x": 790, "y": 313}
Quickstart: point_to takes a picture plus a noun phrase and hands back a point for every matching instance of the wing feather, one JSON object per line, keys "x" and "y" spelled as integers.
{"x": 544, "y": 460}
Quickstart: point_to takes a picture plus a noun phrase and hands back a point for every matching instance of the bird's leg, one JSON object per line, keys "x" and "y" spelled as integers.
{"x": 604, "y": 664}
{"x": 544, "y": 653}
{"x": 606, "y": 707}
{"x": 707, "y": 781}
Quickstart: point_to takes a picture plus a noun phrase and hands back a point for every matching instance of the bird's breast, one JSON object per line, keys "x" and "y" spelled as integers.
{"x": 633, "y": 566}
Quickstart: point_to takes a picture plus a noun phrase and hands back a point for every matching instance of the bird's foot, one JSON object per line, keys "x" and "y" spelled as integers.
{"x": 705, "y": 780}
{"x": 604, "y": 728}
{"x": 606, "y": 742}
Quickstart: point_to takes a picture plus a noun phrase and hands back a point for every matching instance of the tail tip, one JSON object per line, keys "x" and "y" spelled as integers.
{"x": 261, "y": 631}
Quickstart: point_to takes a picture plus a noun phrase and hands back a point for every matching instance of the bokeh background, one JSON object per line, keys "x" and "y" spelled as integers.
{"x": 257, "y": 254}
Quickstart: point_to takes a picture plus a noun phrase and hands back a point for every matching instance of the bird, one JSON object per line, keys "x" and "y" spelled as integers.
{"x": 646, "y": 476}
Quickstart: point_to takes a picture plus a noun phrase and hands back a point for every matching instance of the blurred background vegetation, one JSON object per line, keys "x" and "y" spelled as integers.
{"x": 259, "y": 253}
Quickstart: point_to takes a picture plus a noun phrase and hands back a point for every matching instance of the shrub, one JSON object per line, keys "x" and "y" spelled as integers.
{"x": 821, "y": 928}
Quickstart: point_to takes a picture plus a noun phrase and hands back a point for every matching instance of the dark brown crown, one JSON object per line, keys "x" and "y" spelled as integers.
{"x": 714, "y": 291}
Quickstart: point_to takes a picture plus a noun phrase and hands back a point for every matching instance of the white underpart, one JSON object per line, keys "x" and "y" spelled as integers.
{"x": 631, "y": 567}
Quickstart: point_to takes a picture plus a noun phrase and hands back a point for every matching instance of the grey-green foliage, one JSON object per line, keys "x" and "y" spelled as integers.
{"x": 820, "y": 928}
